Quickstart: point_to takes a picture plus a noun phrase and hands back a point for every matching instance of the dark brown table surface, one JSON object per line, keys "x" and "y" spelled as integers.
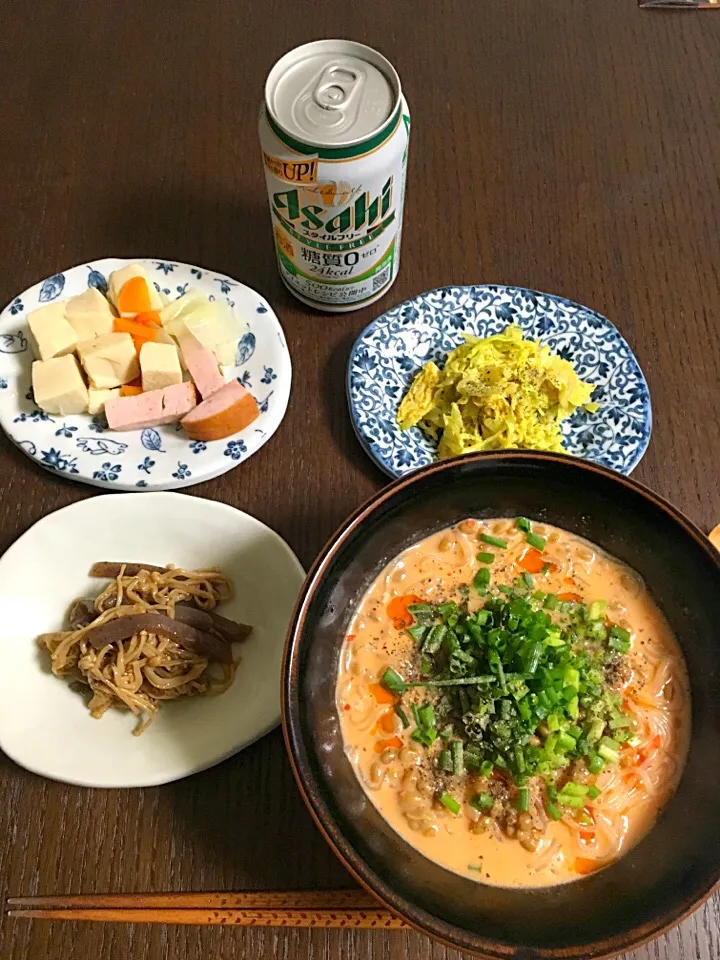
{"x": 567, "y": 145}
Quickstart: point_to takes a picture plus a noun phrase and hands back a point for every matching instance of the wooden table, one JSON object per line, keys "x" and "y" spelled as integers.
{"x": 566, "y": 145}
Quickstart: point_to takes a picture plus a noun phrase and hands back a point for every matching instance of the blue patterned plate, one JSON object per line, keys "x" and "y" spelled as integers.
{"x": 82, "y": 448}
{"x": 390, "y": 351}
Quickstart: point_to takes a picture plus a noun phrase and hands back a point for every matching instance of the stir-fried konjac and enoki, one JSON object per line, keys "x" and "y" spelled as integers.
{"x": 519, "y": 708}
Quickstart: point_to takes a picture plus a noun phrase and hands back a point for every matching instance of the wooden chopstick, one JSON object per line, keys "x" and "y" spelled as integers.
{"x": 310, "y": 908}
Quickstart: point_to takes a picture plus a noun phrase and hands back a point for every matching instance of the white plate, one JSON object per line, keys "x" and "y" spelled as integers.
{"x": 46, "y": 727}
{"x": 82, "y": 448}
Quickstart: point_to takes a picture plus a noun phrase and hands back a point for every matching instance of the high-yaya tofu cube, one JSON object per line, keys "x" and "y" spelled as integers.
{"x": 109, "y": 361}
{"x": 50, "y": 332}
{"x": 58, "y": 386}
{"x": 98, "y": 398}
{"x": 89, "y": 314}
{"x": 118, "y": 279}
{"x": 159, "y": 366}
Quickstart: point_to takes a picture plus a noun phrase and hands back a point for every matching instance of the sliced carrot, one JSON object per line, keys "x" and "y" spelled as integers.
{"x": 398, "y": 611}
{"x": 130, "y": 390}
{"x": 140, "y": 330}
{"x": 381, "y": 694}
{"x": 134, "y": 296}
{"x": 149, "y": 318}
{"x": 350, "y": 637}
{"x": 585, "y": 866}
{"x": 387, "y": 722}
{"x": 532, "y": 560}
{"x": 393, "y": 743}
{"x": 572, "y": 597}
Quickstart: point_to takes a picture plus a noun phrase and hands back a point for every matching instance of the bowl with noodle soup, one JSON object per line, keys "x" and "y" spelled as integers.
{"x": 498, "y": 703}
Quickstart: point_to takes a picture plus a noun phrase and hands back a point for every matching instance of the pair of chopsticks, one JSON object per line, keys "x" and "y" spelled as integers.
{"x": 309, "y": 908}
{"x": 679, "y": 4}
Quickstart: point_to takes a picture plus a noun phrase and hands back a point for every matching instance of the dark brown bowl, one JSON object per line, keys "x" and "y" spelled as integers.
{"x": 660, "y": 880}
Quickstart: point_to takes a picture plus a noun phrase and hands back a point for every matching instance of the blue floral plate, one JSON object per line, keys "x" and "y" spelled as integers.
{"x": 82, "y": 448}
{"x": 391, "y": 350}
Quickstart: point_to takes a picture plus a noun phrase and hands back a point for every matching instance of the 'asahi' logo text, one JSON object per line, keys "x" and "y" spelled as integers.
{"x": 362, "y": 213}
{"x": 294, "y": 171}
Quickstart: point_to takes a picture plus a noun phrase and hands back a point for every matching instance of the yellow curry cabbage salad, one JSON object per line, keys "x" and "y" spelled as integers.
{"x": 493, "y": 394}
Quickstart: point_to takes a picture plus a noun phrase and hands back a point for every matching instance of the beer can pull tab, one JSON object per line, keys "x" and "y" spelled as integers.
{"x": 337, "y": 87}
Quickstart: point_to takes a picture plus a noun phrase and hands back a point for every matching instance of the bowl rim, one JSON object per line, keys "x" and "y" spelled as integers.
{"x": 417, "y": 918}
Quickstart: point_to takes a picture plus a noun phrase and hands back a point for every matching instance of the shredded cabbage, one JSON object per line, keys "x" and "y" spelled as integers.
{"x": 493, "y": 394}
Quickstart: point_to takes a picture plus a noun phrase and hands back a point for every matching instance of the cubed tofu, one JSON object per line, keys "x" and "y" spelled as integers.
{"x": 159, "y": 366}
{"x": 58, "y": 386}
{"x": 50, "y": 332}
{"x": 89, "y": 314}
{"x": 109, "y": 361}
{"x": 98, "y": 398}
{"x": 118, "y": 279}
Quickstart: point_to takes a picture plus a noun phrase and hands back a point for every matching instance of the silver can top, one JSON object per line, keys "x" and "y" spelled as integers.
{"x": 332, "y": 93}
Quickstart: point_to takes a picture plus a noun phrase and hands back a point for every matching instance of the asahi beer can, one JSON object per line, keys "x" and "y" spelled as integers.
{"x": 334, "y": 132}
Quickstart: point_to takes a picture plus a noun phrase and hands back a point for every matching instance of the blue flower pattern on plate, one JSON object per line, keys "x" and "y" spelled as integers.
{"x": 235, "y": 449}
{"x": 53, "y": 459}
{"x": 108, "y": 472}
{"x": 119, "y": 460}
{"x": 392, "y": 349}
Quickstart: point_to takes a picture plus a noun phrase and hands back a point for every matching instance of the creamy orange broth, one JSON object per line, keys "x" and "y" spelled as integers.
{"x": 656, "y": 696}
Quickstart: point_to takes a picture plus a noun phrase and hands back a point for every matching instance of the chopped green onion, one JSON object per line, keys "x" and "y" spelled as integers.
{"x": 393, "y": 682}
{"x": 565, "y": 742}
{"x": 551, "y": 601}
{"x": 450, "y": 803}
{"x": 594, "y": 792}
{"x": 427, "y": 716}
{"x": 595, "y": 730}
{"x": 416, "y": 608}
{"x": 555, "y": 813}
{"x": 426, "y": 667}
{"x": 570, "y": 801}
{"x": 528, "y": 579}
{"x": 535, "y": 541}
{"x": 481, "y": 801}
{"x": 456, "y": 750}
{"x": 622, "y": 646}
{"x": 418, "y": 632}
{"x": 484, "y": 557}
{"x": 445, "y": 761}
{"x": 416, "y": 714}
{"x": 612, "y": 756}
{"x": 402, "y": 715}
{"x": 435, "y": 637}
{"x": 573, "y": 789}
{"x": 493, "y": 541}
{"x": 519, "y": 759}
{"x": 522, "y": 523}
{"x": 619, "y": 634}
{"x": 447, "y": 609}
{"x": 447, "y": 732}
{"x": 486, "y": 768}
{"x": 595, "y": 764}
{"x": 475, "y": 866}
{"x": 481, "y": 578}
{"x": 523, "y": 799}
{"x": 597, "y": 609}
